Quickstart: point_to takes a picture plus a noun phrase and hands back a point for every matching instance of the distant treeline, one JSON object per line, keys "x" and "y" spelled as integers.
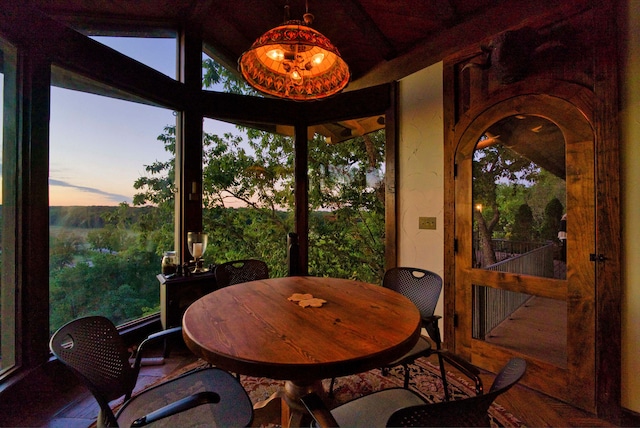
{"x": 91, "y": 217}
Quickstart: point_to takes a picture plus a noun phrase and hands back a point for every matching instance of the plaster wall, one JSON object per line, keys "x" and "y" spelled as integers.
{"x": 630, "y": 148}
{"x": 420, "y": 187}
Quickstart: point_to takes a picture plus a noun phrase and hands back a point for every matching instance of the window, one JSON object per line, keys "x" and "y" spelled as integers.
{"x": 107, "y": 236}
{"x": 158, "y": 53}
{"x": 247, "y": 194}
{"x": 347, "y": 202}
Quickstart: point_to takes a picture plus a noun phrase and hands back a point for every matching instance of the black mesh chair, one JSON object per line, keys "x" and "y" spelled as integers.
{"x": 237, "y": 271}
{"x": 397, "y": 407}
{"x": 93, "y": 349}
{"x": 423, "y": 288}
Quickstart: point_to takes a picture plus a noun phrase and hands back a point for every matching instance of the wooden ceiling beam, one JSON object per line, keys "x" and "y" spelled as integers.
{"x": 73, "y": 53}
{"x": 369, "y": 28}
{"x": 494, "y": 20}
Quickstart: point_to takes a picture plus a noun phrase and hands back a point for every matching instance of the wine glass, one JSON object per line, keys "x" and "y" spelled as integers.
{"x": 197, "y": 243}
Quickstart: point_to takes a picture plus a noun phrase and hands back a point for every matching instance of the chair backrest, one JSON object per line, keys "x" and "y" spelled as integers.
{"x": 93, "y": 349}
{"x": 238, "y": 271}
{"x": 421, "y": 286}
{"x": 468, "y": 412}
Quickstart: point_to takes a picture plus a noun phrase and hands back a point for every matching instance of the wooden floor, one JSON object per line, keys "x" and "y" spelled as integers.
{"x": 537, "y": 329}
{"x": 78, "y": 409}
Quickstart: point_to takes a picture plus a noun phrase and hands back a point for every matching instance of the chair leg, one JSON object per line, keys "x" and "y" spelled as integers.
{"x": 443, "y": 374}
{"x": 406, "y": 375}
{"x": 333, "y": 381}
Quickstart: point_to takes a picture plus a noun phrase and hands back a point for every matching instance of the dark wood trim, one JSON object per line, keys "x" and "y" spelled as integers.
{"x": 608, "y": 215}
{"x": 348, "y": 105}
{"x": 301, "y": 195}
{"x": 188, "y": 161}
{"x": 479, "y": 27}
{"x": 89, "y": 59}
{"x": 246, "y": 109}
{"x": 33, "y": 210}
{"x": 449, "y": 120}
{"x": 259, "y": 111}
{"x": 629, "y": 419}
{"x": 391, "y": 181}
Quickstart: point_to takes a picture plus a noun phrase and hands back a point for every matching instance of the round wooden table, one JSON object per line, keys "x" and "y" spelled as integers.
{"x": 253, "y": 328}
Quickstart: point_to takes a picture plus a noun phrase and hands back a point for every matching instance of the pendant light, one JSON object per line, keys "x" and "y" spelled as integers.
{"x": 294, "y": 61}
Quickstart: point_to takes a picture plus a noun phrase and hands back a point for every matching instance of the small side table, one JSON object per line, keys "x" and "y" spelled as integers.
{"x": 178, "y": 292}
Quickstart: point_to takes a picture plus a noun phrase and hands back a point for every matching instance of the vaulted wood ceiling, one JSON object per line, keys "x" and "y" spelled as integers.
{"x": 380, "y": 40}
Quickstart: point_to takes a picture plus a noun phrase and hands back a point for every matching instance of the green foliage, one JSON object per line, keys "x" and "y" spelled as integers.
{"x": 248, "y": 209}
{"x": 348, "y": 241}
{"x": 215, "y": 74}
{"x": 109, "y": 238}
{"x": 522, "y": 226}
{"x": 63, "y": 249}
{"x": 248, "y": 202}
{"x": 552, "y": 215}
{"x": 515, "y": 194}
{"x": 119, "y": 286}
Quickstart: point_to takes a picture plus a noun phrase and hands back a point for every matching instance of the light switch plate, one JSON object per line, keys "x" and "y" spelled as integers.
{"x": 426, "y": 222}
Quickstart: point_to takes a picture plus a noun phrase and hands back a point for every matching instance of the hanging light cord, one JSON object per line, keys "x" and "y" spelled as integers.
{"x": 308, "y": 17}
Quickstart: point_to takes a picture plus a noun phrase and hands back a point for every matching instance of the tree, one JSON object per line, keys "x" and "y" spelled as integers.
{"x": 552, "y": 216}
{"x": 523, "y": 225}
{"x": 255, "y": 168}
{"x": 493, "y": 167}
{"x": 63, "y": 249}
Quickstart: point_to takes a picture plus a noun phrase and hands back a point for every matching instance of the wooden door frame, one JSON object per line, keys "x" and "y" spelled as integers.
{"x": 599, "y": 50}
{"x": 599, "y": 108}
{"x": 576, "y": 290}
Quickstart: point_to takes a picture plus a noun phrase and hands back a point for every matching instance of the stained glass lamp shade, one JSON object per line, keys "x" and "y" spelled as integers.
{"x": 296, "y": 62}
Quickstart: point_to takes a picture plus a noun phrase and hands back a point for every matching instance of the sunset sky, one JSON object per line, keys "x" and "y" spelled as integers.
{"x": 100, "y": 145}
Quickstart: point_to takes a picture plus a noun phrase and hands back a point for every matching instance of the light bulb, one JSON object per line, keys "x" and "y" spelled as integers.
{"x": 317, "y": 58}
{"x": 276, "y": 54}
{"x": 296, "y": 77}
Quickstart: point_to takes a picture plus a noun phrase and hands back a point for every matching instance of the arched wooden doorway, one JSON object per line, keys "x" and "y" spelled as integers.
{"x": 551, "y": 319}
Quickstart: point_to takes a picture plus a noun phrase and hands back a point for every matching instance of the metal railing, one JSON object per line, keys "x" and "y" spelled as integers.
{"x": 491, "y": 306}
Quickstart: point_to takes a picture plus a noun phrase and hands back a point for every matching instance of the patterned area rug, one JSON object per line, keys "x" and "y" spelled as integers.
{"x": 425, "y": 378}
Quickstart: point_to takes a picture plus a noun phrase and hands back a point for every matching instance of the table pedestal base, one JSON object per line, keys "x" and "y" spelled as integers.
{"x": 293, "y": 413}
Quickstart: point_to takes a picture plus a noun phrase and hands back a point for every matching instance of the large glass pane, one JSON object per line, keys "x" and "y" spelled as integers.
{"x": 158, "y": 53}
{"x": 247, "y": 194}
{"x": 247, "y": 183}
{"x": 216, "y": 77}
{"x": 519, "y": 225}
{"x": 7, "y": 283}
{"x": 111, "y": 211}
{"x": 248, "y": 191}
{"x": 346, "y": 197}
{"x": 519, "y": 196}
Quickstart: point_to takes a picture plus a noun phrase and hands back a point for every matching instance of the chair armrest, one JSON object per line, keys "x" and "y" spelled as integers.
{"x": 433, "y": 330}
{"x": 152, "y": 338}
{"x": 431, "y": 319}
{"x": 465, "y": 367}
{"x": 320, "y": 413}
{"x": 205, "y": 397}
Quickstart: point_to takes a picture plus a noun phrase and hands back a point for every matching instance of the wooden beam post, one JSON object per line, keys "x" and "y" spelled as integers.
{"x": 188, "y": 167}
{"x": 301, "y": 195}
